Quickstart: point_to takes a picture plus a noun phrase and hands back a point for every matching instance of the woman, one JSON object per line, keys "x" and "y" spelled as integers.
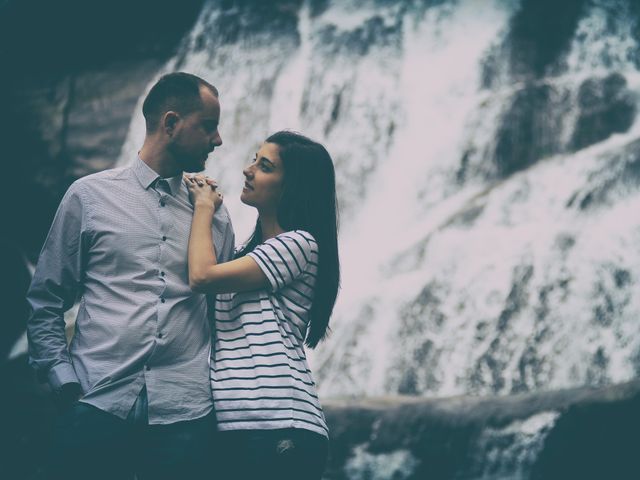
{"x": 272, "y": 300}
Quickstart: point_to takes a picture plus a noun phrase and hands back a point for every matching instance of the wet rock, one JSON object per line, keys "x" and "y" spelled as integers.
{"x": 619, "y": 176}
{"x": 539, "y": 36}
{"x": 454, "y": 437}
{"x": 241, "y": 21}
{"x": 585, "y": 431}
{"x": 529, "y": 130}
{"x": 635, "y": 12}
{"x": 27, "y": 415}
{"x": 72, "y": 120}
{"x": 606, "y": 107}
{"x": 376, "y": 32}
{"x": 593, "y": 440}
{"x": 493, "y": 363}
{"x": 318, "y": 7}
{"x": 14, "y": 305}
{"x": 541, "y": 33}
{"x": 415, "y": 364}
{"x": 47, "y": 38}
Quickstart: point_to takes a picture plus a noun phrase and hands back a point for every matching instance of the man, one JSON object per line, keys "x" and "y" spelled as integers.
{"x": 136, "y": 374}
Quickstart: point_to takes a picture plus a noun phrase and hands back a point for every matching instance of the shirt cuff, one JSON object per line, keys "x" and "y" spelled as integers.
{"x": 61, "y": 374}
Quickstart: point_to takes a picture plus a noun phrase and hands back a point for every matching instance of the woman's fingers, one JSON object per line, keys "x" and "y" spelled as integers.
{"x": 200, "y": 180}
{"x": 194, "y": 180}
{"x": 191, "y": 179}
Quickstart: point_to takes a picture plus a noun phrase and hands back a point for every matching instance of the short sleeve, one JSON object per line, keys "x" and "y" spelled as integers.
{"x": 286, "y": 257}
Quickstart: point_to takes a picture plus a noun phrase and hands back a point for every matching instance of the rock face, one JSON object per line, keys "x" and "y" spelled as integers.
{"x": 607, "y": 106}
{"x": 529, "y": 130}
{"x": 74, "y": 74}
{"x": 594, "y": 440}
{"x": 71, "y": 79}
{"x": 540, "y": 40}
{"x": 535, "y": 51}
{"x": 578, "y": 433}
{"x": 14, "y": 307}
{"x": 27, "y": 415}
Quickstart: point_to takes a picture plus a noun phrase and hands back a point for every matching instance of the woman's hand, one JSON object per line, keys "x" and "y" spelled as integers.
{"x": 204, "y": 191}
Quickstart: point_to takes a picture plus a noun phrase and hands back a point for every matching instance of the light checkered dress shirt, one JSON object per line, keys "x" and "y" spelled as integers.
{"x": 118, "y": 244}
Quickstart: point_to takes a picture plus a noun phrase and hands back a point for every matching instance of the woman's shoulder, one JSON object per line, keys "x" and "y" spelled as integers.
{"x": 297, "y": 246}
{"x": 300, "y": 236}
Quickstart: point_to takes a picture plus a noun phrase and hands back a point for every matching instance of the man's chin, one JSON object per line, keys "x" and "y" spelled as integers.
{"x": 196, "y": 165}
{"x": 204, "y": 160}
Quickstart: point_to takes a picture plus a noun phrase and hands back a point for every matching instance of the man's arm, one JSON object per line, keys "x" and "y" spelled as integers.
{"x": 229, "y": 238}
{"x": 54, "y": 289}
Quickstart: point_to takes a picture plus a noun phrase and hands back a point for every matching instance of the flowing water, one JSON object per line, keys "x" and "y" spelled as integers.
{"x": 488, "y": 188}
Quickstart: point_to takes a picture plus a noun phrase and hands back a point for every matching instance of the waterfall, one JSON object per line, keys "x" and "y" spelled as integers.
{"x": 488, "y": 187}
{"x": 473, "y": 261}
{"x": 511, "y": 451}
{"x": 488, "y": 170}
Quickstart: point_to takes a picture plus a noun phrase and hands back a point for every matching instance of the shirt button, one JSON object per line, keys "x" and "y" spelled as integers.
{"x": 164, "y": 239}
{"x": 162, "y": 299}
{"x": 160, "y": 335}
{"x": 162, "y": 203}
{"x": 147, "y": 367}
{"x": 162, "y": 273}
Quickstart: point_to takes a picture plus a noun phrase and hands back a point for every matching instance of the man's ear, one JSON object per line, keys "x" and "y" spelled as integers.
{"x": 169, "y": 121}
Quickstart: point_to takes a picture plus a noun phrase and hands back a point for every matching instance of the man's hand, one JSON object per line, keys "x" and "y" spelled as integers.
{"x": 68, "y": 394}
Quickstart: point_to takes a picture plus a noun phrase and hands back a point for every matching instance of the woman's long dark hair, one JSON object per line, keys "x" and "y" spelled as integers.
{"x": 309, "y": 203}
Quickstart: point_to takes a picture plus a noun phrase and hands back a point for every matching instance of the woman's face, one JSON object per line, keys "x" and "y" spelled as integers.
{"x": 264, "y": 179}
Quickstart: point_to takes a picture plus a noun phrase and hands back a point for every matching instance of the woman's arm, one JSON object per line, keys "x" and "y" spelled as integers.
{"x": 205, "y": 274}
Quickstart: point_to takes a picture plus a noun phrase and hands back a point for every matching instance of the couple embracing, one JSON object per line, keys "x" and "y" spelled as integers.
{"x": 188, "y": 356}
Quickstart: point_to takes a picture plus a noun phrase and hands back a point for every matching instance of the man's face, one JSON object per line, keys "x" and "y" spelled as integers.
{"x": 196, "y": 134}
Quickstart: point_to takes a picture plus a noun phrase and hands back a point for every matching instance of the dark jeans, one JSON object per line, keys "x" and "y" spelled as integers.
{"x": 286, "y": 454}
{"x": 92, "y": 444}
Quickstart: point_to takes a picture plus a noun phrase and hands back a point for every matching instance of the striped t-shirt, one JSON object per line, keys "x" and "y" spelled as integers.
{"x": 259, "y": 374}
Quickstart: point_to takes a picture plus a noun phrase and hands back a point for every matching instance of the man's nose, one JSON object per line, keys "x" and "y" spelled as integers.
{"x": 217, "y": 140}
{"x": 247, "y": 171}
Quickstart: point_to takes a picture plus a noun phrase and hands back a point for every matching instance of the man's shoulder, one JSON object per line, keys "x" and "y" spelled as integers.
{"x": 223, "y": 218}
{"x": 223, "y": 212}
{"x": 104, "y": 177}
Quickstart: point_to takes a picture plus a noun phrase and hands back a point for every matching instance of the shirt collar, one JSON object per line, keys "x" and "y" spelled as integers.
{"x": 174, "y": 183}
{"x": 148, "y": 177}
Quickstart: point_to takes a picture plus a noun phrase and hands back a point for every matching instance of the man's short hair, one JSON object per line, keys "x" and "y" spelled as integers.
{"x": 178, "y": 92}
